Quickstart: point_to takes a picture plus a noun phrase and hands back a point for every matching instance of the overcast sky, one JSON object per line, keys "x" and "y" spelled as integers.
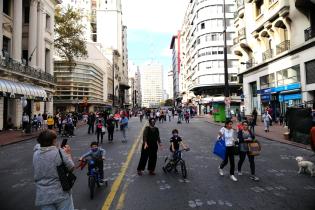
{"x": 151, "y": 25}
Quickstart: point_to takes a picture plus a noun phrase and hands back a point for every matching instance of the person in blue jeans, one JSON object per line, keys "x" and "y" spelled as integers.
{"x": 124, "y": 126}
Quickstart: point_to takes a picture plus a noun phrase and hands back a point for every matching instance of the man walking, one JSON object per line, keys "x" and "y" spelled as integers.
{"x": 91, "y": 122}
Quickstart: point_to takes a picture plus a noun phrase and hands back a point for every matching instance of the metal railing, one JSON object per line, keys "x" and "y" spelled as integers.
{"x": 242, "y": 33}
{"x": 267, "y": 55}
{"x": 250, "y": 63}
{"x": 13, "y": 66}
{"x": 283, "y": 46}
{"x": 309, "y": 33}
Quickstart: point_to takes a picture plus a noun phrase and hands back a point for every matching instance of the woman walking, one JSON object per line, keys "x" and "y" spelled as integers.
{"x": 245, "y": 136}
{"x": 150, "y": 145}
{"x": 99, "y": 131}
{"x": 110, "y": 123}
{"x": 227, "y": 134}
{"x": 267, "y": 120}
{"x": 46, "y": 158}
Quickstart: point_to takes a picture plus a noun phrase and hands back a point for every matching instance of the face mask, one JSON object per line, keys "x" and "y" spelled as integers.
{"x": 175, "y": 134}
{"x": 94, "y": 150}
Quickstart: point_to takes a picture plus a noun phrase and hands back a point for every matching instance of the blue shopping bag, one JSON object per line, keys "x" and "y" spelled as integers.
{"x": 220, "y": 148}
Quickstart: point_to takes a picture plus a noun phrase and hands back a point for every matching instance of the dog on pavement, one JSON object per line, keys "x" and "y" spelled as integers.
{"x": 305, "y": 166}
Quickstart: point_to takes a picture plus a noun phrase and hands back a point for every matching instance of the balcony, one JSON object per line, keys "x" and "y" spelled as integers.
{"x": 242, "y": 34}
{"x": 240, "y": 8}
{"x": 267, "y": 55}
{"x": 249, "y": 64}
{"x": 236, "y": 40}
{"x": 309, "y": 33}
{"x": 283, "y": 46}
{"x": 11, "y": 66}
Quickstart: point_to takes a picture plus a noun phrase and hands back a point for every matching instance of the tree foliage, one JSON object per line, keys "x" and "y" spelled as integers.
{"x": 69, "y": 39}
{"x": 169, "y": 102}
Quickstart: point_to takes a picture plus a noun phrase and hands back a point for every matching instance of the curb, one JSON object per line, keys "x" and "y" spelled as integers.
{"x": 270, "y": 139}
{"x": 28, "y": 138}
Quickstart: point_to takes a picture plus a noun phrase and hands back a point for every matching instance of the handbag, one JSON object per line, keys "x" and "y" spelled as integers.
{"x": 254, "y": 148}
{"x": 220, "y": 148}
{"x": 103, "y": 129}
{"x": 66, "y": 177}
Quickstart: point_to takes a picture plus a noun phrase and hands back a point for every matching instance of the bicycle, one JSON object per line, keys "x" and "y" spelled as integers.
{"x": 94, "y": 178}
{"x": 174, "y": 162}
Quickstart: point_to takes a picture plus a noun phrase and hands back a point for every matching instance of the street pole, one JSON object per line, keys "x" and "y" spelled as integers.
{"x": 226, "y": 74}
{"x": 113, "y": 69}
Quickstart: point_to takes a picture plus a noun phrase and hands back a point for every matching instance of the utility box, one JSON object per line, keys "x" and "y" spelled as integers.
{"x": 219, "y": 112}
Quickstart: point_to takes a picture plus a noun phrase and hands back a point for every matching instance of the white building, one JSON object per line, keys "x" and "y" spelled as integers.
{"x": 170, "y": 87}
{"x": 26, "y": 67}
{"x": 135, "y": 85}
{"x": 176, "y": 64}
{"x": 151, "y": 84}
{"x": 202, "y": 47}
{"x": 276, "y": 52}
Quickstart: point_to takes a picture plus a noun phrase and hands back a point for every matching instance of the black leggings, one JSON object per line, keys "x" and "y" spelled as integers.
{"x": 251, "y": 159}
{"x": 229, "y": 155}
{"x": 110, "y": 133}
{"x": 146, "y": 154}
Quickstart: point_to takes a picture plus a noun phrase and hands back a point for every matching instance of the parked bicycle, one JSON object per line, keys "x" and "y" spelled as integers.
{"x": 171, "y": 163}
{"x": 94, "y": 178}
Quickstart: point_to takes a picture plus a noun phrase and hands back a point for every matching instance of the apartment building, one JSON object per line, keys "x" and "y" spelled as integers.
{"x": 170, "y": 85}
{"x": 202, "y": 46}
{"x": 26, "y": 67}
{"x": 275, "y": 45}
{"x": 151, "y": 84}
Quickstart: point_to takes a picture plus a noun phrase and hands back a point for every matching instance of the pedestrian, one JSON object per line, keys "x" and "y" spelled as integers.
{"x": 227, "y": 134}
{"x": 267, "y": 119}
{"x": 169, "y": 113}
{"x": 110, "y": 123}
{"x": 150, "y": 145}
{"x": 251, "y": 125}
{"x": 124, "y": 126}
{"x": 186, "y": 115}
{"x": 25, "y": 121}
{"x": 91, "y": 122}
{"x": 117, "y": 119}
{"x": 46, "y": 158}
{"x": 40, "y": 121}
{"x": 45, "y": 120}
{"x": 99, "y": 131}
{"x": 281, "y": 119}
{"x": 245, "y": 136}
{"x": 254, "y": 116}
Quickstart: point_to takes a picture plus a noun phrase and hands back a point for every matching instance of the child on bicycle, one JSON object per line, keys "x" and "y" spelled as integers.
{"x": 97, "y": 154}
{"x": 176, "y": 141}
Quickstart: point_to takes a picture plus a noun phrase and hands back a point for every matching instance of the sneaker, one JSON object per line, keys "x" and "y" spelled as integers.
{"x": 152, "y": 173}
{"x": 255, "y": 178}
{"x": 239, "y": 173}
{"x": 233, "y": 178}
{"x": 140, "y": 173}
{"x": 221, "y": 172}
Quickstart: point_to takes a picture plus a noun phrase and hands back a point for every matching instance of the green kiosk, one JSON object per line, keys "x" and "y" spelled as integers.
{"x": 218, "y": 111}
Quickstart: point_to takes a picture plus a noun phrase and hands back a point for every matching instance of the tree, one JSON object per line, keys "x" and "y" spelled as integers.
{"x": 169, "y": 102}
{"x": 69, "y": 39}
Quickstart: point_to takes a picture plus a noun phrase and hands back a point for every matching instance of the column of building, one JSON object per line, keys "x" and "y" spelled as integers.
{"x": 17, "y": 30}
{"x": 1, "y": 31}
{"x": 32, "y": 35}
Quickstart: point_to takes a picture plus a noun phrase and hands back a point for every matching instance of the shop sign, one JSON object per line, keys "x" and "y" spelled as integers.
{"x": 289, "y": 97}
{"x": 264, "y": 91}
{"x": 286, "y": 87}
{"x": 265, "y": 98}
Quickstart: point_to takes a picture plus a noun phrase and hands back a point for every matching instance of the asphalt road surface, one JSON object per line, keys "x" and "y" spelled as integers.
{"x": 280, "y": 187}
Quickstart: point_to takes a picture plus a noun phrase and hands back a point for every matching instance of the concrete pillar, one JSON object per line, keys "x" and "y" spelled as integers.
{"x": 17, "y": 30}
{"x": 32, "y": 34}
{"x": 17, "y": 118}
{"x": 1, "y": 31}
{"x": 41, "y": 17}
{"x": 1, "y": 112}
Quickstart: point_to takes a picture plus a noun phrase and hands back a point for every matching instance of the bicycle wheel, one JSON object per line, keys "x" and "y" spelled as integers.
{"x": 183, "y": 168}
{"x": 92, "y": 186}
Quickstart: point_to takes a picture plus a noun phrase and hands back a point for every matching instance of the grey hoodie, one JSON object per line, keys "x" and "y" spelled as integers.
{"x": 48, "y": 187}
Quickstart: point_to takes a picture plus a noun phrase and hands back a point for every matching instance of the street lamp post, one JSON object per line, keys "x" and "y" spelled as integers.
{"x": 226, "y": 74}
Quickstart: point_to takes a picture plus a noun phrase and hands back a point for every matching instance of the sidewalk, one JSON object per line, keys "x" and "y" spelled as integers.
{"x": 275, "y": 134}
{"x": 14, "y": 136}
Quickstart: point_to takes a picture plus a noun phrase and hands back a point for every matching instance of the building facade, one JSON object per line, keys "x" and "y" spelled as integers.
{"x": 176, "y": 67}
{"x": 170, "y": 85}
{"x": 135, "y": 86}
{"x": 202, "y": 47}
{"x": 276, "y": 53}
{"x": 26, "y": 67}
{"x": 151, "y": 84}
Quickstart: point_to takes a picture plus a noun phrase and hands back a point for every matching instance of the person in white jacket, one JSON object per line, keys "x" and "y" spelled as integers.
{"x": 266, "y": 118}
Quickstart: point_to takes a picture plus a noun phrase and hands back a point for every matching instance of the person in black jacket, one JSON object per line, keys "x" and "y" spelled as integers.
{"x": 150, "y": 145}
{"x": 245, "y": 136}
{"x": 110, "y": 124}
{"x": 91, "y": 122}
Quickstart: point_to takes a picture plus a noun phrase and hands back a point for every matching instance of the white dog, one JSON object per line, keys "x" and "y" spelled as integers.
{"x": 305, "y": 165}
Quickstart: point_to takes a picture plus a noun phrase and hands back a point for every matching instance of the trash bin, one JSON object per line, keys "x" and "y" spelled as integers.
{"x": 219, "y": 112}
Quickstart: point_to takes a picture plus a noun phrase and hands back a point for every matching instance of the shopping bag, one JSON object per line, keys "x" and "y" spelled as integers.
{"x": 220, "y": 148}
{"x": 103, "y": 129}
{"x": 254, "y": 148}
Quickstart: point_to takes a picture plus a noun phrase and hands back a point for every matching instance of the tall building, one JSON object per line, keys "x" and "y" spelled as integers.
{"x": 151, "y": 84}
{"x": 276, "y": 53}
{"x": 176, "y": 64}
{"x": 26, "y": 67}
{"x": 170, "y": 87}
{"x": 202, "y": 46}
{"x": 135, "y": 85}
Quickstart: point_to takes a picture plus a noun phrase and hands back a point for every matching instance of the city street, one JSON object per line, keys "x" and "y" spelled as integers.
{"x": 280, "y": 187}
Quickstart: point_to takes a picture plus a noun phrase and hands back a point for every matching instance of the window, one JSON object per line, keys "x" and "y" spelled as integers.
{"x": 6, "y": 46}
{"x": 310, "y": 72}
{"x": 7, "y": 7}
{"x": 26, "y": 14}
{"x": 48, "y": 23}
{"x": 47, "y": 60}
{"x": 288, "y": 76}
{"x": 259, "y": 6}
{"x": 267, "y": 81}
{"x": 202, "y": 25}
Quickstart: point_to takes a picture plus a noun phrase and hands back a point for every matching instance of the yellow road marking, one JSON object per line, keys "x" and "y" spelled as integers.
{"x": 115, "y": 187}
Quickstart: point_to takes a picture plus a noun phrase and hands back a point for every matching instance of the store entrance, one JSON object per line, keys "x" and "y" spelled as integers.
{"x": 5, "y": 113}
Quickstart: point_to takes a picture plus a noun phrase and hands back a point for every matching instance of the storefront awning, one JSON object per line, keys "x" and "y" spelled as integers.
{"x": 7, "y": 86}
